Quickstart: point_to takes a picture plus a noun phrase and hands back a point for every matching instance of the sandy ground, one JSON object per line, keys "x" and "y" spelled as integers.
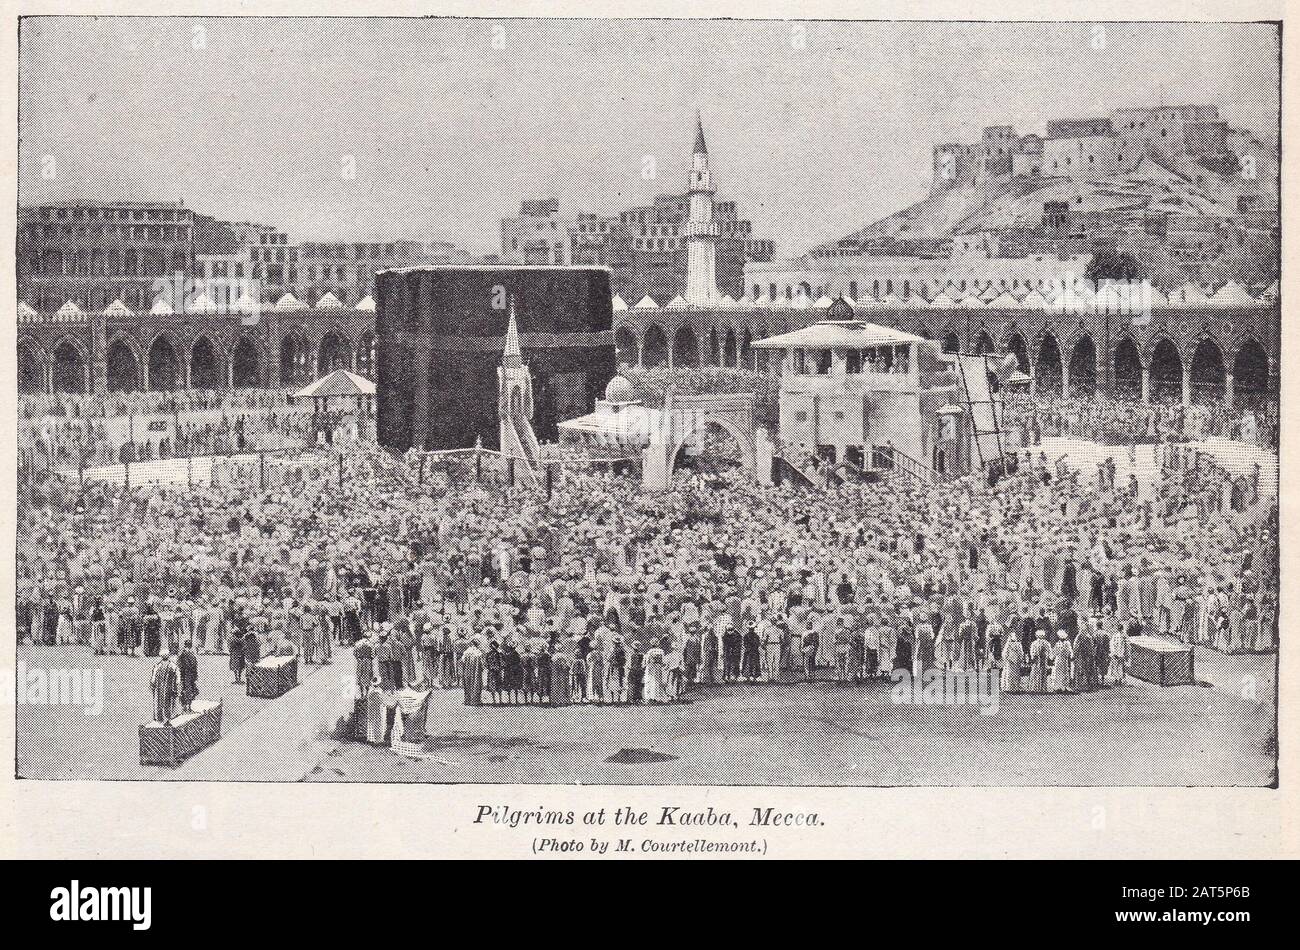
{"x": 1218, "y": 733}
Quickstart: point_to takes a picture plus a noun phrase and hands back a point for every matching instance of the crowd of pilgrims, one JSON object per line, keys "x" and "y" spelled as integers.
{"x": 1100, "y": 417}
{"x": 64, "y": 431}
{"x": 602, "y": 593}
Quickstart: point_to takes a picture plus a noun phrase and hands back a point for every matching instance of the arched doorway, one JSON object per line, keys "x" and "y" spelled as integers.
{"x": 1208, "y": 375}
{"x": 686, "y": 348}
{"x": 951, "y": 344}
{"x": 295, "y": 363}
{"x": 746, "y": 355}
{"x": 164, "y": 366}
{"x": 729, "y": 348}
{"x": 1128, "y": 370}
{"x": 984, "y": 343}
{"x": 654, "y": 348}
{"x": 69, "y": 368}
{"x": 335, "y": 353}
{"x": 123, "y": 368}
{"x": 1048, "y": 375}
{"x": 366, "y": 355}
{"x": 624, "y": 346}
{"x": 1250, "y": 375}
{"x": 1016, "y": 345}
{"x": 711, "y": 449}
{"x": 245, "y": 365}
{"x": 1166, "y": 373}
{"x": 205, "y": 370}
{"x": 31, "y": 369}
{"x": 714, "y": 348}
{"x": 1083, "y": 367}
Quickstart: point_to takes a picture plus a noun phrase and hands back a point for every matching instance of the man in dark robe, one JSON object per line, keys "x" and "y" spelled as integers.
{"x": 471, "y": 674}
{"x": 1084, "y": 667}
{"x": 252, "y": 651}
{"x": 732, "y": 643}
{"x": 188, "y": 666}
{"x": 152, "y": 625}
{"x": 690, "y": 658}
{"x": 709, "y": 650}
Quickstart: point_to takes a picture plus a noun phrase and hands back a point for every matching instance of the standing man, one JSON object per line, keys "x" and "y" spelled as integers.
{"x": 710, "y": 653}
{"x": 164, "y": 683}
{"x": 770, "y": 634}
{"x": 690, "y": 657}
{"x": 470, "y": 669}
{"x": 187, "y": 665}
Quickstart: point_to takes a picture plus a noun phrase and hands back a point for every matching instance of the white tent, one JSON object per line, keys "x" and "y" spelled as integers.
{"x": 646, "y": 303}
{"x": 289, "y": 302}
{"x": 201, "y": 304}
{"x": 24, "y": 310}
{"x": 677, "y": 303}
{"x": 1232, "y": 294}
{"x": 618, "y": 303}
{"x": 1005, "y": 301}
{"x": 69, "y": 309}
{"x": 328, "y": 302}
{"x": 1188, "y": 295}
{"x": 1034, "y": 301}
{"x": 245, "y": 304}
{"x": 162, "y": 306}
{"x": 366, "y": 304}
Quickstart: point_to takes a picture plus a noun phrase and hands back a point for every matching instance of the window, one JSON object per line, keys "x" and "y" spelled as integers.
{"x": 801, "y": 416}
{"x": 853, "y": 362}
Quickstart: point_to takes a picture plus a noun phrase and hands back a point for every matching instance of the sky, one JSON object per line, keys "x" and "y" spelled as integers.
{"x": 814, "y": 129}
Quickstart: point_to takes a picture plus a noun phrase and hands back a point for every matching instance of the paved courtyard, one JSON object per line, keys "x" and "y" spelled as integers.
{"x": 1219, "y": 733}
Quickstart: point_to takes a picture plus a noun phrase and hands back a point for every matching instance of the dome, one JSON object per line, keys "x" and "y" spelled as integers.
{"x": 619, "y": 390}
{"x": 839, "y": 310}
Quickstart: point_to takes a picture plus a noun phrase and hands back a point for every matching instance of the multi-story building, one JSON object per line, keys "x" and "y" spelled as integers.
{"x": 96, "y": 253}
{"x": 537, "y": 236}
{"x": 93, "y": 253}
{"x": 645, "y": 247}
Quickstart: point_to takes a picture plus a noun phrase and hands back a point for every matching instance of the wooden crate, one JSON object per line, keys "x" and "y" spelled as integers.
{"x": 1161, "y": 661}
{"x": 186, "y": 734}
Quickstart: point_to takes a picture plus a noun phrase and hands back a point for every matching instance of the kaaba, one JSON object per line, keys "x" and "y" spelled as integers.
{"x": 439, "y": 336}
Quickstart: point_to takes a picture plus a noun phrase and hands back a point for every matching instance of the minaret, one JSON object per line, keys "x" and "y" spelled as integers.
{"x": 701, "y": 273}
{"x": 514, "y": 393}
